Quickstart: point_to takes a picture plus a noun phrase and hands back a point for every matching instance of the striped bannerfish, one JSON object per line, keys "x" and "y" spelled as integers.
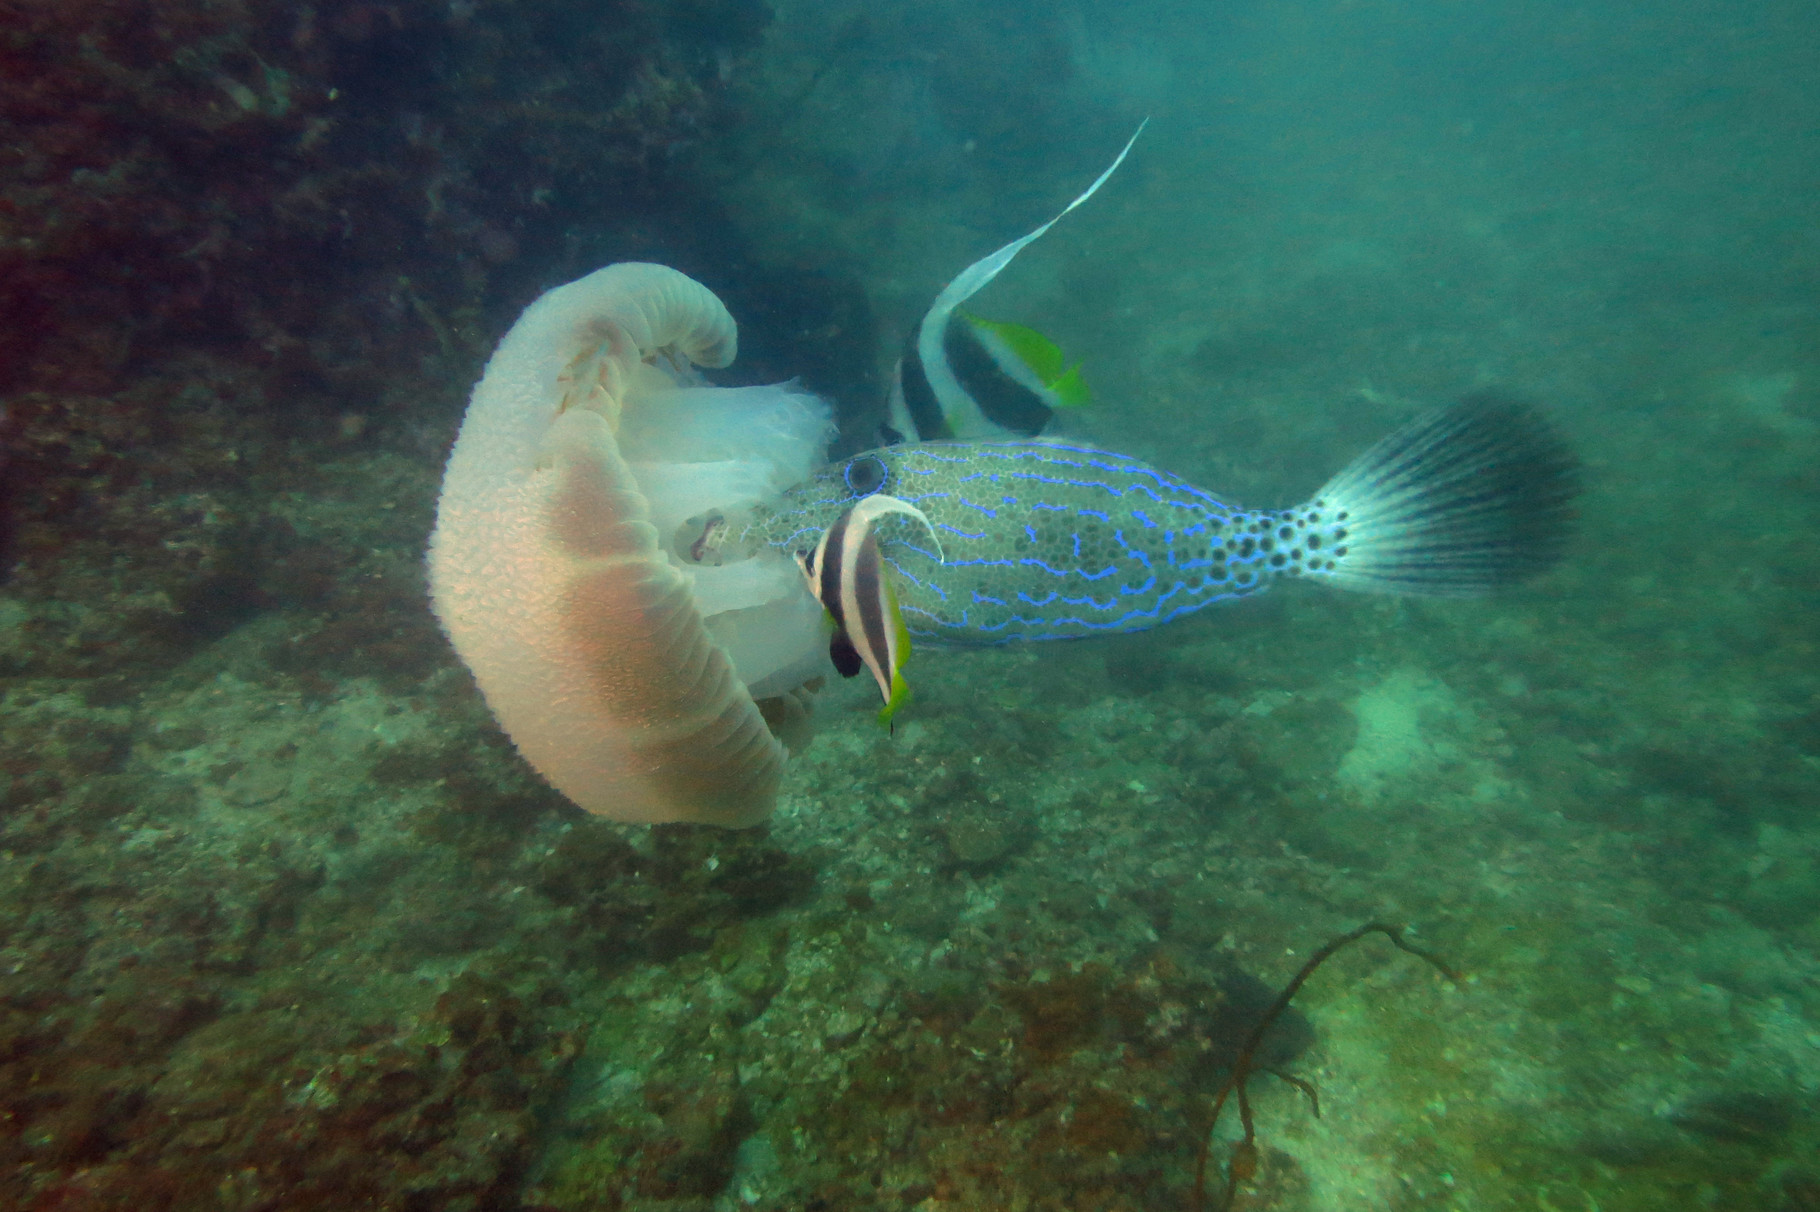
{"x": 846, "y": 573}
{"x": 968, "y": 378}
{"x": 1052, "y": 540}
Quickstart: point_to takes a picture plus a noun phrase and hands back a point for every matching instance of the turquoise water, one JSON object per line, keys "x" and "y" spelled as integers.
{"x": 284, "y": 922}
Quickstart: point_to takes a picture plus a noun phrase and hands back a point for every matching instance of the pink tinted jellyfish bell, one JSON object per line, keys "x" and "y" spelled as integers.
{"x": 624, "y": 676}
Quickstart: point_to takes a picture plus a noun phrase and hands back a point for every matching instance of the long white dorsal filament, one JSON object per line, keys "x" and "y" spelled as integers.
{"x": 972, "y": 279}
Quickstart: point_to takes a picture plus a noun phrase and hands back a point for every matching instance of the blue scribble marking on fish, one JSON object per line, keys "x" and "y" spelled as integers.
{"x": 1076, "y": 551}
{"x": 1457, "y": 503}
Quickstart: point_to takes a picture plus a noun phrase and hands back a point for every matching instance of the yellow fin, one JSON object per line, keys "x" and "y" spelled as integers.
{"x": 1071, "y": 389}
{"x": 900, "y": 691}
{"x": 1032, "y": 348}
{"x": 1042, "y": 356}
{"x": 900, "y": 694}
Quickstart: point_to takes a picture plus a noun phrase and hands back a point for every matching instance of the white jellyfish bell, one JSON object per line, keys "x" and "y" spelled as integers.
{"x": 626, "y": 676}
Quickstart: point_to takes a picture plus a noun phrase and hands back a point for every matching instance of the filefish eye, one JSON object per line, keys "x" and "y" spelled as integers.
{"x": 865, "y": 475}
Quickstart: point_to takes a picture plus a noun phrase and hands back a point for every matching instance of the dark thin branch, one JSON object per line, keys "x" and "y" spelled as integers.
{"x": 1244, "y": 1161}
{"x": 1306, "y": 1087}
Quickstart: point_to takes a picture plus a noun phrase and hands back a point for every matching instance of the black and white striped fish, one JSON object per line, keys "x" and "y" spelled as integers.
{"x": 848, "y": 577}
{"x": 962, "y": 377}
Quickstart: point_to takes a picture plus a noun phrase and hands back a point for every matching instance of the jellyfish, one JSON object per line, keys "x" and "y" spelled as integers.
{"x": 627, "y": 677}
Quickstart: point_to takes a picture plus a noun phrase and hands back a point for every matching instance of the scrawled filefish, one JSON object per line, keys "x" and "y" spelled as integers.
{"x": 965, "y": 377}
{"x": 1054, "y": 540}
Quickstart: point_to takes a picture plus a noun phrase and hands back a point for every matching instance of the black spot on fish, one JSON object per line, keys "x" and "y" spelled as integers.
{"x": 1314, "y": 542}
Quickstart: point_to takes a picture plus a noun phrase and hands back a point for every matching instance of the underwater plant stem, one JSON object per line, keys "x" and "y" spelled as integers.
{"x": 1243, "y": 1163}
{"x": 1307, "y": 1088}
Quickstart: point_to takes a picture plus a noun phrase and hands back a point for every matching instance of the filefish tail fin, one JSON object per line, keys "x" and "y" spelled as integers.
{"x": 1458, "y": 503}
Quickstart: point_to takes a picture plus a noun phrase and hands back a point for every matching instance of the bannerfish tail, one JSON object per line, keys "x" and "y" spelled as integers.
{"x": 1458, "y": 503}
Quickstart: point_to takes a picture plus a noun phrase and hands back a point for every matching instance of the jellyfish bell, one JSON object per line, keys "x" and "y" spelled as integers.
{"x": 627, "y": 675}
